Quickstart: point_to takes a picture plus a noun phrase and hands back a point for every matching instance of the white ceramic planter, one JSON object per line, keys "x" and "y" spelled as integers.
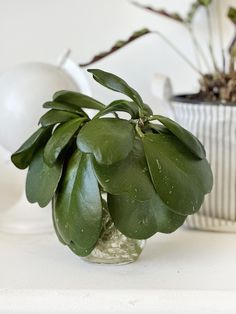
{"x": 215, "y": 126}
{"x": 23, "y": 91}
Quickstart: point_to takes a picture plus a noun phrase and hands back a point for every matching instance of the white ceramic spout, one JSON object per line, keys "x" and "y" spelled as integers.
{"x": 74, "y": 72}
{"x": 161, "y": 88}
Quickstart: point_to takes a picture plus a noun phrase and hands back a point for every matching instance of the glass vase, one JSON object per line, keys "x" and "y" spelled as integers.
{"x": 113, "y": 247}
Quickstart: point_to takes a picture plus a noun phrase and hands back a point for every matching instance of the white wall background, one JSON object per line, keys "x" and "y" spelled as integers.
{"x": 38, "y": 30}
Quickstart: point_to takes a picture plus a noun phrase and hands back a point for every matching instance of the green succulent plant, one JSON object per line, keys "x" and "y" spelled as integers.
{"x": 154, "y": 174}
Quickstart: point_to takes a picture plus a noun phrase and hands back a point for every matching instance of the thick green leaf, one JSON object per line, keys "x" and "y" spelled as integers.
{"x": 64, "y": 107}
{"x": 24, "y": 155}
{"x": 117, "y": 84}
{"x": 158, "y": 128}
{"x": 54, "y": 116}
{"x": 54, "y": 222}
{"x": 59, "y": 139}
{"x": 184, "y": 136}
{"x": 147, "y": 110}
{"x": 141, "y": 220}
{"x": 180, "y": 179}
{"x": 62, "y": 202}
{"x": 130, "y": 175}
{"x": 42, "y": 181}
{"x": 77, "y": 99}
{"x": 125, "y": 106}
{"x": 109, "y": 140}
{"x": 78, "y": 206}
{"x": 80, "y": 251}
{"x": 120, "y": 105}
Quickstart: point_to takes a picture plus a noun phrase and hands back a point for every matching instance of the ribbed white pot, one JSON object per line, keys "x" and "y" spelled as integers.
{"x": 215, "y": 125}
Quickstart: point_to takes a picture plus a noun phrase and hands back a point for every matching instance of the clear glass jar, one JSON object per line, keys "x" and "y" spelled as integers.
{"x": 113, "y": 247}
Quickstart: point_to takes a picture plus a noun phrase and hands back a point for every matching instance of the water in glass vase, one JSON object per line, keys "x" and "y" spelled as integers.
{"x": 113, "y": 247}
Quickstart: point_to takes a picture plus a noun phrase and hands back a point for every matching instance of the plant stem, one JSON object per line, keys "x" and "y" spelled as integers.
{"x": 232, "y": 55}
{"x": 138, "y": 130}
{"x": 154, "y": 117}
{"x": 221, "y": 35}
{"x": 211, "y": 39}
{"x": 198, "y": 49}
{"x": 195, "y": 46}
{"x": 178, "y": 52}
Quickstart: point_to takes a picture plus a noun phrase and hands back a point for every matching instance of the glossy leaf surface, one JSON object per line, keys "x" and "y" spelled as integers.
{"x": 158, "y": 128}
{"x": 42, "y": 181}
{"x": 130, "y": 175}
{"x": 184, "y": 136}
{"x": 59, "y": 139}
{"x": 147, "y": 110}
{"x": 117, "y": 84}
{"x": 64, "y": 107}
{"x": 78, "y": 207}
{"x": 120, "y": 105}
{"x": 77, "y": 99}
{"x": 24, "y": 155}
{"x": 54, "y": 116}
{"x": 54, "y": 218}
{"x": 141, "y": 220}
{"x": 80, "y": 251}
{"x": 109, "y": 140}
{"x": 180, "y": 179}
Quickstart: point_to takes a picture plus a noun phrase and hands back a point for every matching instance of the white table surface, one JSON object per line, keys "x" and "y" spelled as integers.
{"x": 185, "y": 272}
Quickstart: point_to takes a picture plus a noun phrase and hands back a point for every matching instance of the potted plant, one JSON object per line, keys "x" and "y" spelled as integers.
{"x": 210, "y": 114}
{"x": 113, "y": 182}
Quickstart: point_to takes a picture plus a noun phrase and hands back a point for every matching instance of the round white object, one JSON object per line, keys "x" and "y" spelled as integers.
{"x": 23, "y": 91}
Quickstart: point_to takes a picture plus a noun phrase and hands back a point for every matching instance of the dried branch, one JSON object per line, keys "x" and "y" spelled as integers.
{"x": 122, "y": 43}
{"x": 118, "y": 45}
{"x": 173, "y": 16}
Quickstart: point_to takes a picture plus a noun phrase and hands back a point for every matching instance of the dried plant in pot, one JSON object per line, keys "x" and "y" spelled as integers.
{"x": 113, "y": 182}
{"x": 209, "y": 114}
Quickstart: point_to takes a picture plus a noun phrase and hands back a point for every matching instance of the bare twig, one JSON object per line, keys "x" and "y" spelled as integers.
{"x": 118, "y": 45}
{"x": 173, "y": 16}
{"x": 122, "y": 43}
